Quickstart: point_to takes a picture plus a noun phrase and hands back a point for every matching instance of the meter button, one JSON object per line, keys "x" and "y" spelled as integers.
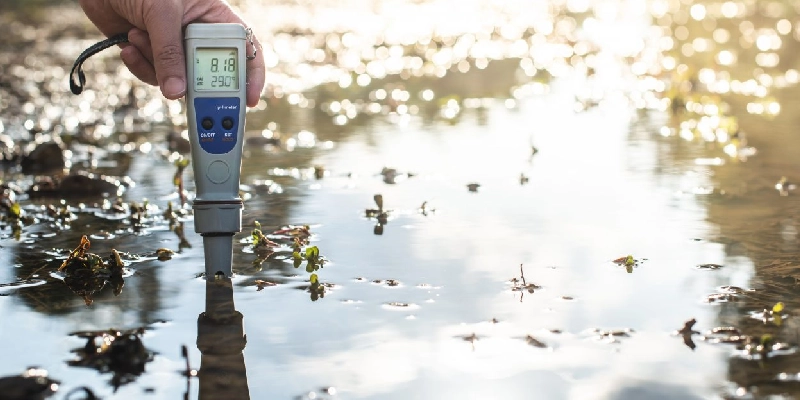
{"x": 218, "y": 171}
{"x": 207, "y": 123}
{"x": 227, "y": 123}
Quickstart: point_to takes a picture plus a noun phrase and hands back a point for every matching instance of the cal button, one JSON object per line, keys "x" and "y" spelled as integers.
{"x": 227, "y": 123}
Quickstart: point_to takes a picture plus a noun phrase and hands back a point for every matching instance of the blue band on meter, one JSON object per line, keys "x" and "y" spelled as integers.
{"x": 217, "y": 123}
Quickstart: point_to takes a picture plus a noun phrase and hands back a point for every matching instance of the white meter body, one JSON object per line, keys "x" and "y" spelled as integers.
{"x": 216, "y": 106}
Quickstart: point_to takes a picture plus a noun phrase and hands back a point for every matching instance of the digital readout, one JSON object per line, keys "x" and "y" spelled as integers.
{"x": 216, "y": 69}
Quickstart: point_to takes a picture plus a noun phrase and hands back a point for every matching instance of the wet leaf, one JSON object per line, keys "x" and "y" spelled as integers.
{"x": 87, "y": 273}
{"x": 535, "y": 342}
{"x": 778, "y": 307}
{"x": 628, "y": 261}
{"x": 79, "y": 252}
{"x": 261, "y": 284}
{"x": 164, "y": 254}
{"x": 687, "y": 327}
{"x": 15, "y": 210}
{"x": 118, "y": 264}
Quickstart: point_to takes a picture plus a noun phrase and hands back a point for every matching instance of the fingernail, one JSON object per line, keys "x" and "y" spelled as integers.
{"x": 173, "y": 88}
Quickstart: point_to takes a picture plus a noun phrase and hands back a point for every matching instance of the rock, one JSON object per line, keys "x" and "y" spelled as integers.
{"x": 179, "y": 142}
{"x": 45, "y": 157}
{"x": 75, "y": 185}
{"x": 33, "y": 384}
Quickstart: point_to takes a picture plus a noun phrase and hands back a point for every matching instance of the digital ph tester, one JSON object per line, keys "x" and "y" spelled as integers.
{"x": 215, "y": 109}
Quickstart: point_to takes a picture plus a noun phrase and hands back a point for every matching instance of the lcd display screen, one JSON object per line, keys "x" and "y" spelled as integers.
{"x": 216, "y": 69}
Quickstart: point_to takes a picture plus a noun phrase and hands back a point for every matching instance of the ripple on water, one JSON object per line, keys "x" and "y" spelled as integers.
{"x": 609, "y": 335}
{"x": 727, "y": 294}
{"x": 427, "y": 286}
{"x": 5, "y": 288}
{"x": 387, "y": 282}
{"x": 102, "y": 235}
{"x": 400, "y": 306}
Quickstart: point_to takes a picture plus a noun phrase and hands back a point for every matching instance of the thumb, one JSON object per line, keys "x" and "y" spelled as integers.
{"x": 162, "y": 21}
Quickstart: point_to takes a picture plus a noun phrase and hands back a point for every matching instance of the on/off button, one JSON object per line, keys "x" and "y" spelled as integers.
{"x": 218, "y": 171}
{"x": 207, "y": 123}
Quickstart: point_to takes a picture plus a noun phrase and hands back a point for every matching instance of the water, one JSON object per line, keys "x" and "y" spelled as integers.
{"x": 430, "y": 303}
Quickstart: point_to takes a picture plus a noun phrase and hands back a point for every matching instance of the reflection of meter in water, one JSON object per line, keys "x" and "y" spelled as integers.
{"x": 215, "y": 102}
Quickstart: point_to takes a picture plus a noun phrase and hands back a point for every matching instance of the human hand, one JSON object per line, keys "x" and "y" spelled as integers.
{"x": 155, "y": 53}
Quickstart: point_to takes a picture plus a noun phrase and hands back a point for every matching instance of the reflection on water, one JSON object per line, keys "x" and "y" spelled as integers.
{"x": 562, "y": 200}
{"x": 741, "y": 54}
{"x": 221, "y": 340}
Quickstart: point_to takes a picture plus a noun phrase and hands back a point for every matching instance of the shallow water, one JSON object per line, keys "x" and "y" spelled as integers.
{"x": 433, "y": 306}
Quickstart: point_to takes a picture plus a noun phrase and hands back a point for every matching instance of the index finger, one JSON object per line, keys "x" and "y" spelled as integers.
{"x": 162, "y": 20}
{"x": 256, "y": 72}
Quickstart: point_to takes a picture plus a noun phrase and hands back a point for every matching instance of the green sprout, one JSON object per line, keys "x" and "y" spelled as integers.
{"x": 777, "y": 309}
{"x": 628, "y": 262}
{"x": 311, "y": 255}
{"x": 181, "y": 164}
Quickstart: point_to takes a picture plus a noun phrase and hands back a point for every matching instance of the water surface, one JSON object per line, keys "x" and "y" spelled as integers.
{"x": 428, "y": 304}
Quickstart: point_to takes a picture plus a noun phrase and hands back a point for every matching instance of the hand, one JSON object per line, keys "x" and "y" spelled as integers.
{"x": 155, "y": 34}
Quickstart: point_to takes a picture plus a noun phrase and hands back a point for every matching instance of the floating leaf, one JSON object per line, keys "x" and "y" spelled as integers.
{"x": 778, "y": 307}
{"x": 79, "y": 252}
{"x": 312, "y": 253}
{"x": 118, "y": 264}
{"x": 164, "y": 254}
{"x": 261, "y": 284}
{"x": 629, "y": 261}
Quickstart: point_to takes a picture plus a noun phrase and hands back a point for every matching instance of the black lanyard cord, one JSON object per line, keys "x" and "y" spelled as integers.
{"x": 77, "y": 87}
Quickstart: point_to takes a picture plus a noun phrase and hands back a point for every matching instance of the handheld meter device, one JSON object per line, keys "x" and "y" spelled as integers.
{"x": 215, "y": 107}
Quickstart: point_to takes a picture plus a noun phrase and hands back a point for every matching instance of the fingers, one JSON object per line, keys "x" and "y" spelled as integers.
{"x": 138, "y": 56}
{"x": 139, "y": 65}
{"x": 256, "y": 71}
{"x": 163, "y": 22}
{"x": 141, "y": 40}
{"x": 155, "y": 54}
{"x": 104, "y": 17}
